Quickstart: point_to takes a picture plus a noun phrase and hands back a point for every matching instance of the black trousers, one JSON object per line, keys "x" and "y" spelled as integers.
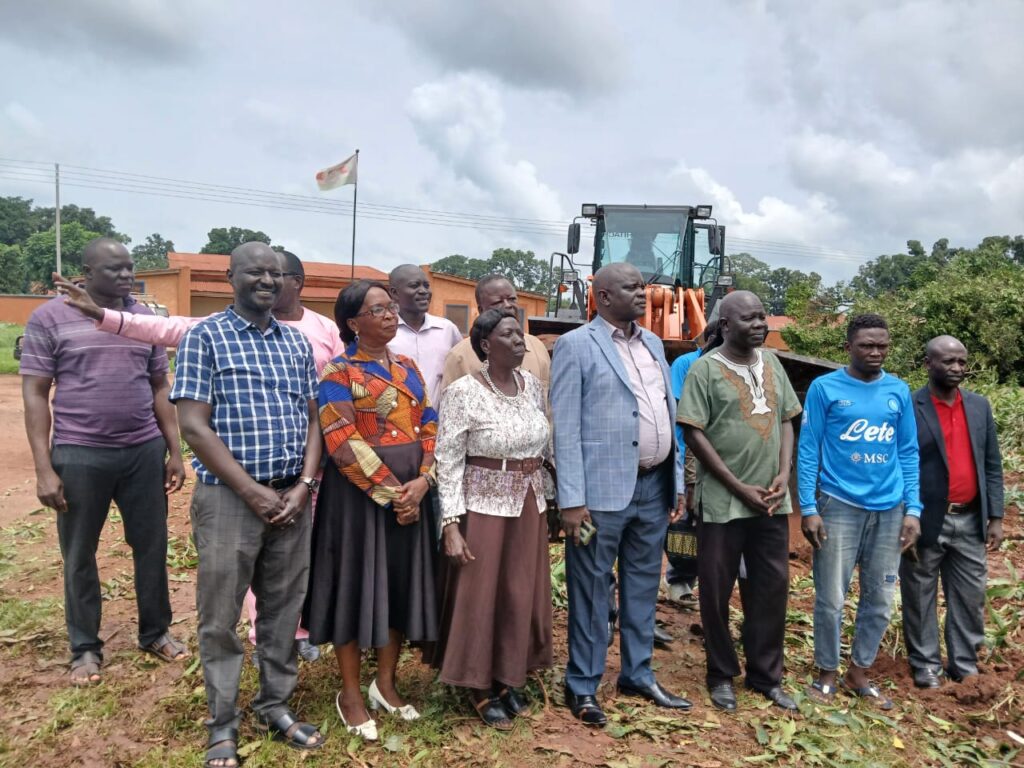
{"x": 763, "y": 543}
{"x": 133, "y": 477}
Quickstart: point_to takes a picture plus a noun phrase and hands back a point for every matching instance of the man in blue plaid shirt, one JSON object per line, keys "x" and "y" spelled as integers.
{"x": 246, "y": 390}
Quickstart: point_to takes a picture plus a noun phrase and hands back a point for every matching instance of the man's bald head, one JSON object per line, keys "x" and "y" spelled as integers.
{"x": 401, "y": 274}
{"x": 247, "y": 252}
{"x": 941, "y": 345}
{"x": 738, "y": 302}
{"x": 620, "y": 293}
{"x": 945, "y": 359}
{"x": 742, "y": 322}
{"x": 613, "y": 274}
{"x": 102, "y": 247}
{"x": 410, "y": 287}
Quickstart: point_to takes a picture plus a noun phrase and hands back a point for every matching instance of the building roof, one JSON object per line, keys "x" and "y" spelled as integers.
{"x": 778, "y": 322}
{"x": 215, "y": 262}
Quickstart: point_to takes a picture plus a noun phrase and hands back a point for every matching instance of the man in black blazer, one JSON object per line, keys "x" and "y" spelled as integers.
{"x": 962, "y": 493}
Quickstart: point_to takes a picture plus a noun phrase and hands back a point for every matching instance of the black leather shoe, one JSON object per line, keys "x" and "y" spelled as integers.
{"x": 513, "y": 701}
{"x": 780, "y": 698}
{"x": 585, "y": 709}
{"x": 657, "y": 695}
{"x": 925, "y": 677}
{"x": 662, "y": 639}
{"x": 611, "y": 633}
{"x": 723, "y": 696}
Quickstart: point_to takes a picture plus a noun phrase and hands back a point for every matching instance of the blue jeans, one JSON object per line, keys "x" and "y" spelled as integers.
{"x": 867, "y": 540}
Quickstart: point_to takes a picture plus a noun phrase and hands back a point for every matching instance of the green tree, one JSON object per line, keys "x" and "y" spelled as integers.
{"x": 750, "y": 274}
{"x": 522, "y": 268}
{"x": 974, "y": 296}
{"x": 461, "y": 266}
{"x": 226, "y": 239}
{"x": 12, "y": 269}
{"x": 40, "y": 253}
{"x": 17, "y": 220}
{"x": 86, "y": 217}
{"x": 152, "y": 254}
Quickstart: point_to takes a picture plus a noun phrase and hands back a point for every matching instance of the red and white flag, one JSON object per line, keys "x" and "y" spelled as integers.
{"x": 338, "y": 175}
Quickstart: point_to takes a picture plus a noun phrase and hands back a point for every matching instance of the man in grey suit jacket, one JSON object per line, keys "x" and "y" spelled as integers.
{"x": 962, "y": 494}
{"x": 618, "y": 469}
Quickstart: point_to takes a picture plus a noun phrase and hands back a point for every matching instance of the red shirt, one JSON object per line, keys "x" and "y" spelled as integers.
{"x": 963, "y": 475}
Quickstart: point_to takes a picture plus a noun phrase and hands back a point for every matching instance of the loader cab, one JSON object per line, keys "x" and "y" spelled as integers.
{"x": 678, "y": 246}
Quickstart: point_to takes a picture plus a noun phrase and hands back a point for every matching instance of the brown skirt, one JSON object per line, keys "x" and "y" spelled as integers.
{"x": 496, "y": 610}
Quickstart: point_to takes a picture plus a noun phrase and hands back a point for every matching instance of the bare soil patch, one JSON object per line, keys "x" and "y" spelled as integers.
{"x": 150, "y": 714}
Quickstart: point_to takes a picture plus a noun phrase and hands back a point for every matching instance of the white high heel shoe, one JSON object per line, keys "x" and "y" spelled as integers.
{"x": 377, "y": 701}
{"x": 367, "y": 730}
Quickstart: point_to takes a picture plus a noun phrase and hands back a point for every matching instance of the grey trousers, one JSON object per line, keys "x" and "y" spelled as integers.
{"x": 958, "y": 556}
{"x": 238, "y": 550}
{"x": 134, "y": 478}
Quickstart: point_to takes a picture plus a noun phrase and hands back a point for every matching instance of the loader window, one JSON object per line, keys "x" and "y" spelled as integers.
{"x": 652, "y": 241}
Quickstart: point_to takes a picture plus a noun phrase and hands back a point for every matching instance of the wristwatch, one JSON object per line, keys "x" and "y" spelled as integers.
{"x": 310, "y": 482}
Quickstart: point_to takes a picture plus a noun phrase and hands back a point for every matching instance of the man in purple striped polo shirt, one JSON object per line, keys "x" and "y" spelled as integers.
{"x": 114, "y": 438}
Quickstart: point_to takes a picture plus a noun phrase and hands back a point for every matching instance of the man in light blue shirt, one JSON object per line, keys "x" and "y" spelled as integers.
{"x": 860, "y": 501}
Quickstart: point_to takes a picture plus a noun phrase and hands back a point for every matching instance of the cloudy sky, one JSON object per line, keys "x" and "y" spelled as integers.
{"x": 823, "y": 133}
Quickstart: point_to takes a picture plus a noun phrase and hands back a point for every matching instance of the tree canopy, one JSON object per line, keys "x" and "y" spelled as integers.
{"x": 226, "y": 239}
{"x": 971, "y": 293}
{"x": 525, "y": 271}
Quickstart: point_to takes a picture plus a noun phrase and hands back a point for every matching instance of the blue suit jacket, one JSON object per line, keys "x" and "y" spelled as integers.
{"x": 596, "y": 423}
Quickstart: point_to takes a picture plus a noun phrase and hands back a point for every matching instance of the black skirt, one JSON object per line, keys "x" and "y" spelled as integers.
{"x": 367, "y": 573}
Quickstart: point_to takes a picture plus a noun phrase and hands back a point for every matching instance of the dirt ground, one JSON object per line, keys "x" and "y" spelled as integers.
{"x": 150, "y": 714}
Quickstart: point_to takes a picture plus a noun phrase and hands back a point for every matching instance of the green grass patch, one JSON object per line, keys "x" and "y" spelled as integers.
{"x": 31, "y": 625}
{"x": 8, "y": 333}
{"x": 78, "y": 707}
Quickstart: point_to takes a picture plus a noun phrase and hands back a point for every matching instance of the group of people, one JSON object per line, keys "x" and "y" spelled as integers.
{"x": 381, "y": 480}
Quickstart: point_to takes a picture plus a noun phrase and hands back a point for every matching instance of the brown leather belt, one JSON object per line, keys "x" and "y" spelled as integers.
{"x": 962, "y": 509}
{"x": 526, "y": 466}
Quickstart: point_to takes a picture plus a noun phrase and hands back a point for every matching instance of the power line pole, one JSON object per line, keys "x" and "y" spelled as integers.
{"x": 56, "y": 220}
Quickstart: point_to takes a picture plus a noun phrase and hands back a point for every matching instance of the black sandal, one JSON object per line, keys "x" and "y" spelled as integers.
{"x": 493, "y": 713}
{"x": 513, "y": 701}
{"x": 300, "y": 738}
{"x": 222, "y": 745}
{"x": 90, "y": 663}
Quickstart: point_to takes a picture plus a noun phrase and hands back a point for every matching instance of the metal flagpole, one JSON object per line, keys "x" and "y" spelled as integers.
{"x": 56, "y": 179}
{"x": 355, "y": 197}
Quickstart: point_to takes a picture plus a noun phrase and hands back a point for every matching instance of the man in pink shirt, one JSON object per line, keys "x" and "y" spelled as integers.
{"x": 322, "y": 333}
{"x": 425, "y": 338}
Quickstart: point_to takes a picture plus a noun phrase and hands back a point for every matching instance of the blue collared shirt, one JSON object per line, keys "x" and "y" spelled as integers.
{"x": 258, "y": 383}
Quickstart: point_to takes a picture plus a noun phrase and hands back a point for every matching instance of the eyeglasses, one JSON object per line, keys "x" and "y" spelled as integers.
{"x": 379, "y": 310}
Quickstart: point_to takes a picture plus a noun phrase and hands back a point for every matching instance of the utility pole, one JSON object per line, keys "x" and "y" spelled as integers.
{"x": 56, "y": 220}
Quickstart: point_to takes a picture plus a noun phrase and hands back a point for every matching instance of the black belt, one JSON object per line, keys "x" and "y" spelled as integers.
{"x": 644, "y": 471}
{"x": 962, "y": 509}
{"x": 280, "y": 483}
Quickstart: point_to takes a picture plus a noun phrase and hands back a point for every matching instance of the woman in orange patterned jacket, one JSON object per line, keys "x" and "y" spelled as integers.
{"x": 372, "y": 568}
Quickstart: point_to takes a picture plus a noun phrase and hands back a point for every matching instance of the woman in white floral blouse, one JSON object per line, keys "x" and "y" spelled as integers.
{"x": 496, "y": 608}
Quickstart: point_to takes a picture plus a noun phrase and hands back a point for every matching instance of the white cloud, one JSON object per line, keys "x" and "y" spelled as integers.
{"x": 942, "y": 73}
{"x": 115, "y": 30}
{"x": 773, "y": 219}
{"x": 460, "y": 119}
{"x": 959, "y": 196}
{"x": 570, "y": 45}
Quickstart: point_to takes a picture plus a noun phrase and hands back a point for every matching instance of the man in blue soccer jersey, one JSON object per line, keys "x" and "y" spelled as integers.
{"x": 860, "y": 501}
